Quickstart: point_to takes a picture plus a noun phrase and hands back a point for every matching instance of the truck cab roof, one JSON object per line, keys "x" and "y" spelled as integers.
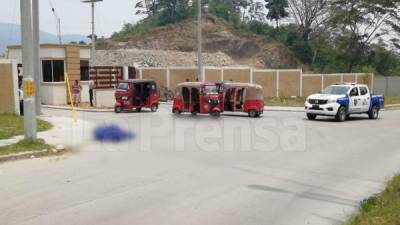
{"x": 349, "y": 84}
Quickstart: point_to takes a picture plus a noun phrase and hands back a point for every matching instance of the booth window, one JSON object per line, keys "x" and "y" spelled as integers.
{"x": 84, "y": 70}
{"x": 53, "y": 70}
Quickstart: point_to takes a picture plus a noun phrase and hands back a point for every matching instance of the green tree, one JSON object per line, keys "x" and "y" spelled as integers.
{"x": 310, "y": 15}
{"x": 147, "y": 7}
{"x": 362, "y": 22}
{"x": 276, "y": 10}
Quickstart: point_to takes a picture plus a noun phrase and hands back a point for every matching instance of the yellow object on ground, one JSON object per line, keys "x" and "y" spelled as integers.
{"x": 70, "y": 98}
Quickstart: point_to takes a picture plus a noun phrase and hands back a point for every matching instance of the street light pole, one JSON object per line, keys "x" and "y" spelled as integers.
{"x": 92, "y": 2}
{"x": 93, "y": 38}
{"x": 27, "y": 60}
{"x": 36, "y": 54}
{"x": 199, "y": 43}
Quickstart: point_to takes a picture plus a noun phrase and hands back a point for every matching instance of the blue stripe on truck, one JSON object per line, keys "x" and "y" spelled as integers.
{"x": 345, "y": 101}
{"x": 377, "y": 100}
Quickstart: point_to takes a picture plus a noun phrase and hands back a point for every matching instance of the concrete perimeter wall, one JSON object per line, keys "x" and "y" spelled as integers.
{"x": 9, "y": 97}
{"x": 387, "y": 85}
{"x": 276, "y": 83}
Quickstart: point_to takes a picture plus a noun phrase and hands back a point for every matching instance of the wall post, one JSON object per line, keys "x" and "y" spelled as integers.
{"x": 277, "y": 83}
{"x": 168, "y": 74}
{"x": 301, "y": 83}
{"x": 125, "y": 73}
{"x": 251, "y": 75}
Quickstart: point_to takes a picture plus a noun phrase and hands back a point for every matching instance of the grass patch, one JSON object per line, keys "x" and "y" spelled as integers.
{"x": 13, "y": 125}
{"x": 392, "y": 100}
{"x": 383, "y": 209}
{"x": 295, "y": 102}
{"x": 23, "y": 146}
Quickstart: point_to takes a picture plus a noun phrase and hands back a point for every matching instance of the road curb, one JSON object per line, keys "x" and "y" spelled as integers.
{"x": 392, "y": 105}
{"x": 283, "y": 109}
{"x": 266, "y": 108}
{"x": 76, "y": 109}
{"x": 31, "y": 154}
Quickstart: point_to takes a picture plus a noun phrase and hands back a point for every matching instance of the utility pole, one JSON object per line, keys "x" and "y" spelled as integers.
{"x": 36, "y": 55}
{"x": 199, "y": 43}
{"x": 27, "y": 60}
{"x": 93, "y": 37}
{"x": 92, "y": 2}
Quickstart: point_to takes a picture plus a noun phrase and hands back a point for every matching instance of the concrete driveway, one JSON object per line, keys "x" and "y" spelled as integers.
{"x": 280, "y": 170}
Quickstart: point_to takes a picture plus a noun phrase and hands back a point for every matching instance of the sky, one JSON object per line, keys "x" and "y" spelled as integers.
{"x": 110, "y": 15}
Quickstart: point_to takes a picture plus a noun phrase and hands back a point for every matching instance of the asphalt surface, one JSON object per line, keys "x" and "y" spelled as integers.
{"x": 280, "y": 169}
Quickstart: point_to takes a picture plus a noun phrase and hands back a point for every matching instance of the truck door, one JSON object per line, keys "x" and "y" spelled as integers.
{"x": 355, "y": 100}
{"x": 365, "y": 99}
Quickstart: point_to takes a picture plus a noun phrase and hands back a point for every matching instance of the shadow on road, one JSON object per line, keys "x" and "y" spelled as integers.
{"x": 308, "y": 195}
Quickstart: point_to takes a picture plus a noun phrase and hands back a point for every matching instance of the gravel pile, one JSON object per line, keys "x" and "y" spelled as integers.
{"x": 155, "y": 58}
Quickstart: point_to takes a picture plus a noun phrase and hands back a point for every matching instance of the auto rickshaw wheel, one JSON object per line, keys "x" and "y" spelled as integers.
{"x": 253, "y": 113}
{"x": 215, "y": 114}
{"x": 154, "y": 108}
{"x": 176, "y": 111}
{"x": 118, "y": 109}
{"x": 138, "y": 109}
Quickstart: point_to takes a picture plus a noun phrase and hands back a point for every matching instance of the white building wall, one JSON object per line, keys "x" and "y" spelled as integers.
{"x": 85, "y": 53}
{"x": 54, "y": 93}
{"x": 15, "y": 54}
{"x": 104, "y": 97}
{"x": 57, "y": 53}
{"x": 85, "y": 91}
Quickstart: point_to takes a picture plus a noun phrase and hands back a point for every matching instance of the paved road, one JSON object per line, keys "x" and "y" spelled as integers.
{"x": 291, "y": 171}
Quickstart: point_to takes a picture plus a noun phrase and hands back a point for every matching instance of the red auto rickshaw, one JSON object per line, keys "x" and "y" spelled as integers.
{"x": 197, "y": 97}
{"x": 243, "y": 97}
{"x": 136, "y": 94}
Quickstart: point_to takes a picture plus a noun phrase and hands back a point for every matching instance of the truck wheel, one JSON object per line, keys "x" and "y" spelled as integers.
{"x": 138, "y": 109}
{"x": 341, "y": 114}
{"x": 194, "y": 113}
{"x": 253, "y": 113}
{"x": 373, "y": 114}
{"x": 311, "y": 116}
{"x": 154, "y": 108}
{"x": 118, "y": 109}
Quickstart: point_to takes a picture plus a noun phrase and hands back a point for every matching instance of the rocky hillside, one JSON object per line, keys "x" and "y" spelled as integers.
{"x": 218, "y": 36}
{"x": 157, "y": 58}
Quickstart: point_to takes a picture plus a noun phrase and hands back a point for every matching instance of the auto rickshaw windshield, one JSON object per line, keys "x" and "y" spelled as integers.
{"x": 210, "y": 89}
{"x": 122, "y": 86}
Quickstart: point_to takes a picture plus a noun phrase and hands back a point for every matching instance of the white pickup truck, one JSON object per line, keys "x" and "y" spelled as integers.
{"x": 343, "y": 99}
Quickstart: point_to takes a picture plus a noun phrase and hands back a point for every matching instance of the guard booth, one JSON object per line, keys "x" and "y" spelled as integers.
{"x": 9, "y": 87}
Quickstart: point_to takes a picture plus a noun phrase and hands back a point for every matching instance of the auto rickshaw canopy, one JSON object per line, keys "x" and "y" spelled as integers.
{"x": 253, "y": 91}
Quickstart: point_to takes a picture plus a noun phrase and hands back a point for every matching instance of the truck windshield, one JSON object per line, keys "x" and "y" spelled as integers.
{"x": 210, "y": 90}
{"x": 335, "y": 90}
{"x": 123, "y": 86}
